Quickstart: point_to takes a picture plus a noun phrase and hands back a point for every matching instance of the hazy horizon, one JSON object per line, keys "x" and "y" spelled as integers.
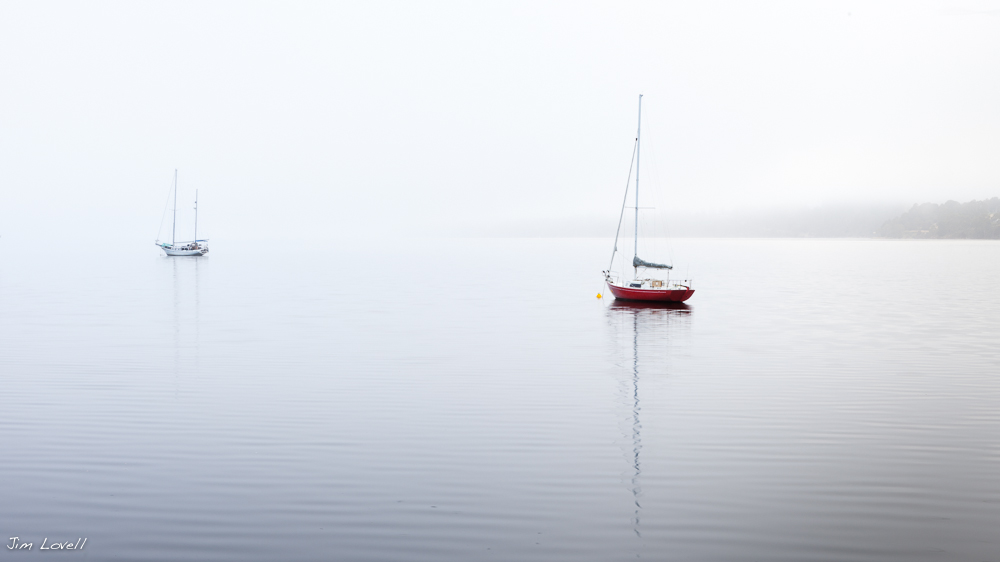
{"x": 319, "y": 120}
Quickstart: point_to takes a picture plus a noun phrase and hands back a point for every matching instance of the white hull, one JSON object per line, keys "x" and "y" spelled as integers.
{"x": 200, "y": 252}
{"x": 198, "y": 248}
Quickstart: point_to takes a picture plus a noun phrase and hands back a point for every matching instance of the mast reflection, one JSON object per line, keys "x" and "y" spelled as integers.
{"x": 185, "y": 273}
{"x": 645, "y": 326}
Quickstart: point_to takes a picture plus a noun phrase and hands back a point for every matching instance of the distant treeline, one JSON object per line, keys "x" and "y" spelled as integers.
{"x": 975, "y": 219}
{"x": 826, "y": 221}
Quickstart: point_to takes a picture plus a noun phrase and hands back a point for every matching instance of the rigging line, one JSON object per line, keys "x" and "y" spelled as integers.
{"x": 163, "y": 216}
{"x": 624, "y": 200}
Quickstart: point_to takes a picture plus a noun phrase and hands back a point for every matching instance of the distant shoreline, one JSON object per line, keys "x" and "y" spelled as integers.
{"x": 977, "y": 220}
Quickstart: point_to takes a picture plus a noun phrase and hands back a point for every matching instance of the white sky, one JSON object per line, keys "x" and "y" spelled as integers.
{"x": 315, "y": 119}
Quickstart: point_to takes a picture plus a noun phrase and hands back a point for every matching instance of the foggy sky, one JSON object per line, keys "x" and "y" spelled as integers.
{"x": 321, "y": 119}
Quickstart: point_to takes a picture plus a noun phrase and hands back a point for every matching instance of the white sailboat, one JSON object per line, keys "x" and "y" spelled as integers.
{"x": 194, "y": 247}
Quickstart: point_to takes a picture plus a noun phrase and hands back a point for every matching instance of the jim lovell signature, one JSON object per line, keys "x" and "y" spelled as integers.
{"x": 17, "y": 544}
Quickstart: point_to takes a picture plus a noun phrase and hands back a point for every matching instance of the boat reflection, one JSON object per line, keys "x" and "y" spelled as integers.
{"x": 644, "y": 333}
{"x": 676, "y": 307}
{"x": 186, "y": 281}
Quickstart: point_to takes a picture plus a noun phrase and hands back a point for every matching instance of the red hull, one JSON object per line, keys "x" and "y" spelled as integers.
{"x": 630, "y": 294}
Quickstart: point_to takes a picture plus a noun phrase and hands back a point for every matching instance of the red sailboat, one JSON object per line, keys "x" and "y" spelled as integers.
{"x": 645, "y": 287}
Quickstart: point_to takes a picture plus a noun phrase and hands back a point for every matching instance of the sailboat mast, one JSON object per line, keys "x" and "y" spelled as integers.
{"x": 173, "y": 235}
{"x": 196, "y": 215}
{"x": 637, "y": 153}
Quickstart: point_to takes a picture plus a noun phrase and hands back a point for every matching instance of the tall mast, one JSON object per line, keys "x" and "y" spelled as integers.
{"x": 196, "y": 215}
{"x": 637, "y": 152}
{"x": 173, "y": 235}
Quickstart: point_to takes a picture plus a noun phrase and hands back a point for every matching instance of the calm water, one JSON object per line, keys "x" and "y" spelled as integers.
{"x": 472, "y": 400}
